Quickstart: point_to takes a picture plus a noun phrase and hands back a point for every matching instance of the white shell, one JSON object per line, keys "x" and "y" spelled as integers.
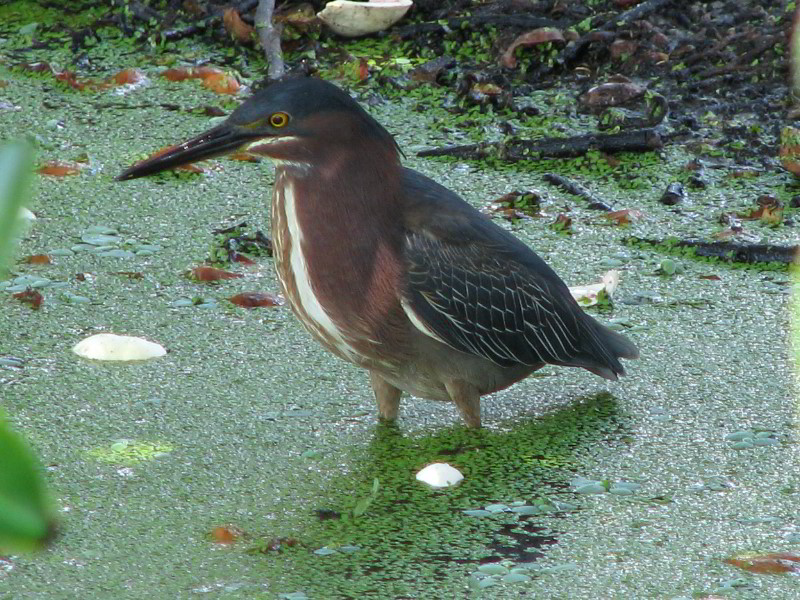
{"x": 109, "y": 346}
{"x": 440, "y": 475}
{"x": 586, "y": 295}
{"x": 351, "y": 19}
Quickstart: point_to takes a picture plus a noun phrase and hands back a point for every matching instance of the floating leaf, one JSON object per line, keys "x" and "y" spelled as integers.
{"x": 204, "y": 273}
{"x": 128, "y": 76}
{"x": 100, "y": 239}
{"x": 129, "y": 452}
{"x": 226, "y": 534}
{"x": 117, "y": 253}
{"x": 59, "y": 169}
{"x": 221, "y": 83}
{"x": 234, "y": 25}
{"x": 214, "y": 79}
{"x": 769, "y": 211}
{"x": 478, "y": 513}
{"x": 256, "y": 299}
{"x": 38, "y": 259}
{"x": 774, "y": 563}
{"x": 515, "y": 578}
{"x": 668, "y": 266}
{"x": 563, "y": 223}
{"x": 624, "y": 216}
{"x": 493, "y": 569}
{"x": 30, "y": 296}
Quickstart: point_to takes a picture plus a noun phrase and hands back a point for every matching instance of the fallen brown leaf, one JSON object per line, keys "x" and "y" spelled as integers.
{"x": 127, "y": 76}
{"x": 773, "y": 563}
{"x": 30, "y": 296}
{"x": 234, "y": 25}
{"x": 58, "y": 168}
{"x": 226, "y": 534}
{"x": 38, "y": 259}
{"x": 255, "y": 299}
{"x": 624, "y": 216}
{"x": 204, "y": 273}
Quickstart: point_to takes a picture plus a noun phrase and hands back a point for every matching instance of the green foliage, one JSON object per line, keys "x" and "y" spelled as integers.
{"x": 25, "y": 521}
{"x": 15, "y": 166}
{"x": 364, "y": 503}
{"x": 25, "y": 512}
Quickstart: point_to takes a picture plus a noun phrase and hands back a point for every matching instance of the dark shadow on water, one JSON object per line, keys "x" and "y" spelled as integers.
{"x": 411, "y": 536}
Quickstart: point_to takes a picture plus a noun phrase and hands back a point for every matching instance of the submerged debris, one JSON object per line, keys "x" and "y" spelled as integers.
{"x": 730, "y": 251}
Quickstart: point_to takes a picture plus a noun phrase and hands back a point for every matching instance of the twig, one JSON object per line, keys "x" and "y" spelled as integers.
{"x": 727, "y": 251}
{"x": 572, "y": 50}
{"x": 269, "y": 35}
{"x": 474, "y": 21}
{"x": 575, "y": 188}
{"x": 636, "y": 140}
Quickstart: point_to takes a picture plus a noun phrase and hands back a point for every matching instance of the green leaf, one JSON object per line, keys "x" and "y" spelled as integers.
{"x": 362, "y": 506}
{"x": 15, "y": 167}
{"x": 25, "y": 512}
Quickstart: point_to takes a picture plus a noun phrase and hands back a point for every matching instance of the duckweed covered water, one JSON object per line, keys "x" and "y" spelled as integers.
{"x": 246, "y": 421}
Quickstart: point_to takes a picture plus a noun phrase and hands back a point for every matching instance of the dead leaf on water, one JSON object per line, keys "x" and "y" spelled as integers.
{"x": 234, "y": 25}
{"x": 624, "y": 216}
{"x": 256, "y": 299}
{"x": 226, "y": 534}
{"x": 204, "y": 273}
{"x": 773, "y": 563}
{"x": 38, "y": 259}
{"x": 30, "y": 296}
{"x": 57, "y": 168}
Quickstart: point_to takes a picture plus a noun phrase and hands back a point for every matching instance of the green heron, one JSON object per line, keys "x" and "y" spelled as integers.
{"x": 391, "y": 271}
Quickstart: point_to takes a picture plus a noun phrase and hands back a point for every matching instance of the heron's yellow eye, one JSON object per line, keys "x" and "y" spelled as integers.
{"x": 279, "y": 119}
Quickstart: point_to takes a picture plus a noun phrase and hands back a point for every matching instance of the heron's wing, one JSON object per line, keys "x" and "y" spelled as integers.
{"x": 478, "y": 289}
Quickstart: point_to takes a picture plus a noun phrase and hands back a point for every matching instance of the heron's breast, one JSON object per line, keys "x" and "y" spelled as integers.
{"x": 294, "y": 274}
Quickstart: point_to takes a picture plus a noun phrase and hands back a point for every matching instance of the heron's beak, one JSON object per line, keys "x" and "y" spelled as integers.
{"x": 222, "y": 139}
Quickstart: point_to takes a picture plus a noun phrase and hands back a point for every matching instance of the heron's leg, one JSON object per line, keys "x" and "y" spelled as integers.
{"x": 467, "y": 399}
{"x": 386, "y": 395}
